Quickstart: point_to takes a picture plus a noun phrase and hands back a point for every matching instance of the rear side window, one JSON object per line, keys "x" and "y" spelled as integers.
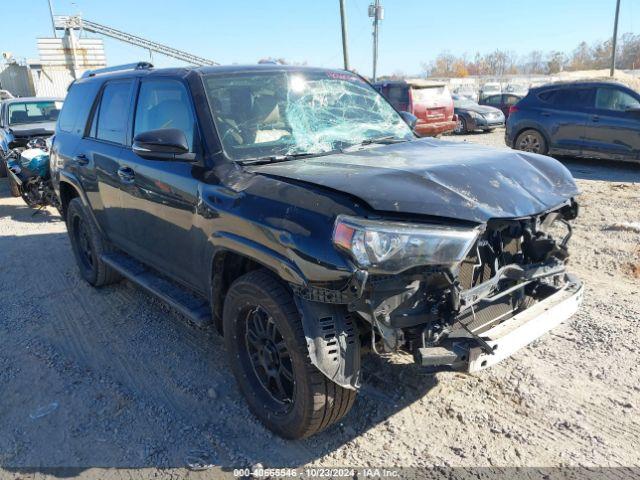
{"x": 398, "y": 94}
{"x": 614, "y": 99}
{"x": 568, "y": 97}
{"x": 77, "y": 105}
{"x": 110, "y": 123}
{"x": 495, "y": 100}
{"x": 164, "y": 104}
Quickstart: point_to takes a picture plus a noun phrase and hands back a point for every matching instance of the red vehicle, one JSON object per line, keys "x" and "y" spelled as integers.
{"x": 430, "y": 102}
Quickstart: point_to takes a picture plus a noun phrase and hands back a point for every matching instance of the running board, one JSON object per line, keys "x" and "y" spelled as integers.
{"x": 187, "y": 303}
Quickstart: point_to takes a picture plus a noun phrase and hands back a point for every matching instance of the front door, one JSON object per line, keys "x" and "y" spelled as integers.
{"x": 613, "y": 130}
{"x": 161, "y": 195}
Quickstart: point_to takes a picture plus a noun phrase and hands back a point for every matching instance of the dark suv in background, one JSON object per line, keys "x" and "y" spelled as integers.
{"x": 294, "y": 209}
{"x": 588, "y": 119}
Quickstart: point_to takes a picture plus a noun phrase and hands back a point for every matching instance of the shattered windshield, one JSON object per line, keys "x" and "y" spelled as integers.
{"x": 265, "y": 114}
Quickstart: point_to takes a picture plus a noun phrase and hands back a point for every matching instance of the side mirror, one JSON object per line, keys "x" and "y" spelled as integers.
{"x": 162, "y": 144}
{"x": 410, "y": 119}
{"x": 634, "y": 110}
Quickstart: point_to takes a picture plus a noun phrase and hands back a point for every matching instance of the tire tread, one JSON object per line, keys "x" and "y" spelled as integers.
{"x": 331, "y": 402}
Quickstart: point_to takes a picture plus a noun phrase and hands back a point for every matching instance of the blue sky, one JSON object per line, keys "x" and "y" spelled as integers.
{"x": 413, "y": 31}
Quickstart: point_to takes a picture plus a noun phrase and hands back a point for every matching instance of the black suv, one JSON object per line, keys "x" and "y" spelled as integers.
{"x": 296, "y": 211}
{"x": 587, "y": 119}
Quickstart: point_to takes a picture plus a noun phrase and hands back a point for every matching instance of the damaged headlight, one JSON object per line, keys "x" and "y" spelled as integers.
{"x": 391, "y": 247}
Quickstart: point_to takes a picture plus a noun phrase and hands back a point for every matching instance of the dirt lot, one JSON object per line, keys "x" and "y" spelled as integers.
{"x": 113, "y": 378}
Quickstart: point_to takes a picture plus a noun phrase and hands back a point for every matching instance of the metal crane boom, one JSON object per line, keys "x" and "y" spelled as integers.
{"x": 78, "y": 23}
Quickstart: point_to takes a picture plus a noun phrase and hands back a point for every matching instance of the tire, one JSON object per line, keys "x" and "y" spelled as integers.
{"x": 88, "y": 245}
{"x": 14, "y": 188}
{"x": 296, "y": 400}
{"x": 461, "y": 126}
{"x": 531, "y": 141}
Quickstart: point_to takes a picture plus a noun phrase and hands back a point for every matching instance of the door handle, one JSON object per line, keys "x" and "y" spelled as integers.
{"x": 81, "y": 159}
{"x": 595, "y": 118}
{"x": 545, "y": 114}
{"x": 126, "y": 175}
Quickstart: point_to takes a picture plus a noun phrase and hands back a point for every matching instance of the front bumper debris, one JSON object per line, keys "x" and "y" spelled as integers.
{"x": 509, "y": 336}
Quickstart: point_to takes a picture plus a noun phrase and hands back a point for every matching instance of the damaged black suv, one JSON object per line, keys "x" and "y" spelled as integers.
{"x": 296, "y": 211}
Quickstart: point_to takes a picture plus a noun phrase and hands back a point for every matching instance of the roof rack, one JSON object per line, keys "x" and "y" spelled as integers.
{"x": 118, "y": 68}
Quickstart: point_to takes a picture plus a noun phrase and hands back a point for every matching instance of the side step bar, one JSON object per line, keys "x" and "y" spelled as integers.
{"x": 187, "y": 303}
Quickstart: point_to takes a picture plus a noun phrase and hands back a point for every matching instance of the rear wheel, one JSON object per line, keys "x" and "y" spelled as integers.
{"x": 531, "y": 141}
{"x": 88, "y": 246}
{"x": 269, "y": 358}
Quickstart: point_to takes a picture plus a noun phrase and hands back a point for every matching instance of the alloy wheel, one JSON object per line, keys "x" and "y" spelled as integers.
{"x": 530, "y": 143}
{"x": 84, "y": 244}
{"x": 269, "y": 356}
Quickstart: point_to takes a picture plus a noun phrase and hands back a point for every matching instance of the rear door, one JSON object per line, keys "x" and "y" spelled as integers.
{"x": 160, "y": 196}
{"x": 564, "y": 113}
{"x": 612, "y": 132}
{"x": 98, "y": 158}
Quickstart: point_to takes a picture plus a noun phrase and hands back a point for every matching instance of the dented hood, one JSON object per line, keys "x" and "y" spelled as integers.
{"x": 438, "y": 178}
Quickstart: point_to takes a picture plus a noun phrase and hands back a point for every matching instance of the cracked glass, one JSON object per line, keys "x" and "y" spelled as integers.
{"x": 293, "y": 112}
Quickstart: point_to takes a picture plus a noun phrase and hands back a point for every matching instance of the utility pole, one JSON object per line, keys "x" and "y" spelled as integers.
{"x": 615, "y": 40}
{"x": 345, "y": 49}
{"x": 376, "y": 11}
{"x": 53, "y": 23}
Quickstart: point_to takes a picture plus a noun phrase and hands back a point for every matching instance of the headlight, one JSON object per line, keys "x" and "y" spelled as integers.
{"x": 391, "y": 247}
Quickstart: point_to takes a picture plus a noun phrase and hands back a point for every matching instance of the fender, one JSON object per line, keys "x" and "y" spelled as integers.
{"x": 282, "y": 266}
{"x": 72, "y": 180}
{"x": 332, "y": 340}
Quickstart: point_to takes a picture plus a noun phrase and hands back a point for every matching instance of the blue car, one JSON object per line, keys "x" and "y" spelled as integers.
{"x": 596, "y": 119}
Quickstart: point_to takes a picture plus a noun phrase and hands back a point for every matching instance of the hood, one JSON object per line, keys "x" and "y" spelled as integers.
{"x": 445, "y": 179}
{"x": 40, "y": 129}
{"x": 481, "y": 109}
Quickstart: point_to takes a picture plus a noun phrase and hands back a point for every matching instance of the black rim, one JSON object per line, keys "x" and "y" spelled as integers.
{"x": 84, "y": 243}
{"x": 269, "y": 357}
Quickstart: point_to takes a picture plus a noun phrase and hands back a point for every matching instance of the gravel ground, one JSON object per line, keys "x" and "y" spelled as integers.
{"x": 113, "y": 378}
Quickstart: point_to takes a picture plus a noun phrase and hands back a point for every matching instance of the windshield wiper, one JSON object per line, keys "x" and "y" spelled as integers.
{"x": 384, "y": 140}
{"x": 284, "y": 158}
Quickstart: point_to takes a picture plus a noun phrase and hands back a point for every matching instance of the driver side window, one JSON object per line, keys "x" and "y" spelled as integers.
{"x": 613, "y": 99}
{"x": 164, "y": 104}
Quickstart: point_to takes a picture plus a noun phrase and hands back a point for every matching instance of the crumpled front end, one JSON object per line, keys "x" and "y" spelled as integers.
{"x": 508, "y": 287}
{"x": 512, "y": 287}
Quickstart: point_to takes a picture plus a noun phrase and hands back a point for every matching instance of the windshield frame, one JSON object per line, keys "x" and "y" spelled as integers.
{"x": 287, "y": 70}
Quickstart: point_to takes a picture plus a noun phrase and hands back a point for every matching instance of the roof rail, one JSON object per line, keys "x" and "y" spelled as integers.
{"x": 117, "y": 68}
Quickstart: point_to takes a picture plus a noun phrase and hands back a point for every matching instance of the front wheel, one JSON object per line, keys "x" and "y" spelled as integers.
{"x": 531, "y": 141}
{"x": 14, "y": 188}
{"x": 269, "y": 358}
{"x": 461, "y": 126}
